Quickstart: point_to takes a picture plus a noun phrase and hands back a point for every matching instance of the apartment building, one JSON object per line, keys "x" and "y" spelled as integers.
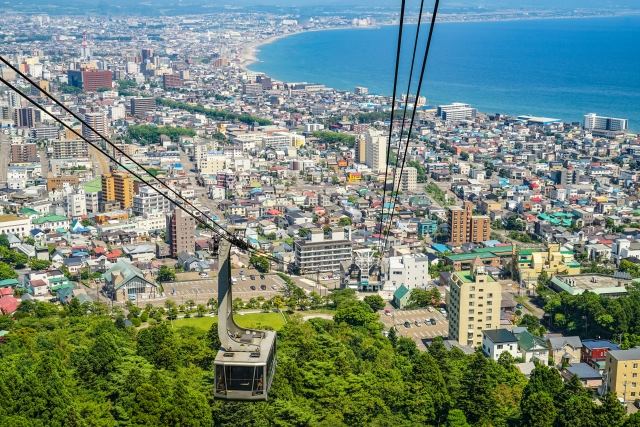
{"x": 321, "y": 253}
{"x": 181, "y": 232}
{"x": 70, "y": 149}
{"x": 465, "y": 227}
{"x": 117, "y": 187}
{"x": 411, "y": 271}
{"x": 375, "y": 150}
{"x": 473, "y": 303}
{"x": 622, "y": 373}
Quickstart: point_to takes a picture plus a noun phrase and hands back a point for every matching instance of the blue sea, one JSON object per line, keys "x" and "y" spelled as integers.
{"x": 555, "y": 68}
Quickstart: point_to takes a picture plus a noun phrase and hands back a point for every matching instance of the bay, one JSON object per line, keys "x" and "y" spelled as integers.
{"x": 560, "y": 68}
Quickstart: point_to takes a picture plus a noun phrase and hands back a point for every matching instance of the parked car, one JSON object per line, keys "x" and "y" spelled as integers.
{"x": 407, "y": 324}
{"x": 252, "y": 287}
{"x": 433, "y": 321}
{"x": 263, "y": 287}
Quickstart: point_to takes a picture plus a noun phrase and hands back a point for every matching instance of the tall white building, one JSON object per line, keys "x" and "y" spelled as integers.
{"x": 412, "y": 271}
{"x": 76, "y": 204}
{"x": 319, "y": 253}
{"x": 594, "y": 122}
{"x": 456, "y": 112}
{"x": 408, "y": 179}
{"x": 149, "y": 202}
{"x": 375, "y": 150}
{"x": 98, "y": 121}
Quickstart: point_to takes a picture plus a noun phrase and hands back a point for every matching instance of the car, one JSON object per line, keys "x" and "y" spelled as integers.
{"x": 417, "y": 323}
{"x": 263, "y": 287}
{"x": 204, "y": 274}
{"x": 274, "y": 287}
{"x": 252, "y": 277}
{"x": 407, "y": 324}
{"x": 519, "y": 306}
{"x": 427, "y": 321}
{"x": 252, "y": 287}
{"x": 262, "y": 276}
{"x": 430, "y": 309}
{"x": 433, "y": 321}
{"x": 636, "y": 403}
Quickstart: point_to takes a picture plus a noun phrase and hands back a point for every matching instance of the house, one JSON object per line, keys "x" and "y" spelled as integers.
{"x": 125, "y": 282}
{"x": 594, "y": 352}
{"x": 588, "y": 376}
{"x": 74, "y": 264}
{"x": 564, "y": 350}
{"x": 8, "y": 304}
{"x": 401, "y": 297}
{"x": 498, "y": 341}
{"x": 9, "y": 283}
{"x": 531, "y": 347}
{"x": 38, "y": 288}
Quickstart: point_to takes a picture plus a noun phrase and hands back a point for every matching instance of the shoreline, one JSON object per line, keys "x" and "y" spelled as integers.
{"x": 249, "y": 54}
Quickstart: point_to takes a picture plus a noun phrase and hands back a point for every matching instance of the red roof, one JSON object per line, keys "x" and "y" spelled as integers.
{"x": 115, "y": 253}
{"x": 8, "y": 305}
{"x": 5, "y": 292}
{"x": 100, "y": 250}
{"x": 273, "y": 212}
{"x": 36, "y": 283}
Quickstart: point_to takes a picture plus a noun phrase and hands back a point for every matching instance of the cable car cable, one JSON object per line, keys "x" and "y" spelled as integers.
{"x": 393, "y": 107}
{"x": 413, "y": 113}
{"x": 404, "y": 114}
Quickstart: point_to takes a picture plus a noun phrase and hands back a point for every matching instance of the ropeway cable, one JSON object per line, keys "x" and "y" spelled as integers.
{"x": 393, "y": 108}
{"x": 413, "y": 113}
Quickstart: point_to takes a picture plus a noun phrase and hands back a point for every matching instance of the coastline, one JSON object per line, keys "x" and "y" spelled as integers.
{"x": 249, "y": 54}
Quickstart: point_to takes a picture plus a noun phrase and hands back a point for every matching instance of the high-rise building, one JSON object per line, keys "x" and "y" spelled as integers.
{"x": 76, "y": 204}
{"x": 98, "y": 121}
{"x": 375, "y": 150}
{"x": 26, "y": 117}
{"x": 409, "y": 179}
{"x": 319, "y": 253}
{"x": 141, "y": 106}
{"x": 360, "y": 90}
{"x": 70, "y": 149}
{"x": 473, "y": 303}
{"x": 24, "y": 153}
{"x": 90, "y": 80}
{"x": 465, "y": 227}
{"x": 171, "y": 81}
{"x": 146, "y": 53}
{"x": 149, "y": 202}
{"x": 594, "y": 122}
{"x": 117, "y": 187}
{"x": 45, "y": 132}
{"x": 181, "y": 232}
{"x": 456, "y": 112}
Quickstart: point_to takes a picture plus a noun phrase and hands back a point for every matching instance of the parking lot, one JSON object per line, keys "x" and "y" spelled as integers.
{"x": 419, "y": 332}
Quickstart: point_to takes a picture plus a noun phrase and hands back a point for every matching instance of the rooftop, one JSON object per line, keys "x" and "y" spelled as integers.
{"x": 500, "y": 336}
{"x": 631, "y": 354}
{"x": 596, "y": 283}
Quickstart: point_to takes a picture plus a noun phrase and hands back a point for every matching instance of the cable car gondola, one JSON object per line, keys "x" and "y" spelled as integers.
{"x": 246, "y": 361}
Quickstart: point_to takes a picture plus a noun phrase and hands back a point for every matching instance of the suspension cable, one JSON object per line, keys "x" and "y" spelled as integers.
{"x": 413, "y": 113}
{"x": 393, "y": 108}
{"x": 404, "y": 113}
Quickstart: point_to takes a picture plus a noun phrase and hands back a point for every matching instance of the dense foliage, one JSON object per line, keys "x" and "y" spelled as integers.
{"x": 331, "y": 138}
{"x": 213, "y": 114}
{"x": 591, "y": 315}
{"x": 79, "y": 367}
{"x": 147, "y": 134}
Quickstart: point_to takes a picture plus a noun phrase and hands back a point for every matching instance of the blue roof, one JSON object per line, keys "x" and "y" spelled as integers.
{"x": 592, "y": 344}
{"x": 440, "y": 247}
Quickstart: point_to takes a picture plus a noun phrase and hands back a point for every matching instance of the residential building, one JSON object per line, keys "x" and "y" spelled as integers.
{"x": 24, "y": 153}
{"x": 586, "y": 374}
{"x": 172, "y": 81}
{"x": 149, "y": 202}
{"x": 319, "y": 253}
{"x": 117, "y": 187}
{"x": 498, "y": 341}
{"x": 564, "y": 350}
{"x": 77, "y": 204}
{"x": 98, "y": 121}
{"x": 142, "y": 106}
{"x": 375, "y": 150}
{"x": 401, "y": 297}
{"x": 473, "y": 303}
{"x": 70, "y": 149}
{"x": 465, "y": 227}
{"x": 409, "y": 179}
{"x": 594, "y": 352}
{"x": 531, "y": 347}
{"x": 456, "y": 112}
{"x": 622, "y": 373}
{"x": 26, "y": 117}
{"x": 411, "y": 271}
{"x": 181, "y": 232}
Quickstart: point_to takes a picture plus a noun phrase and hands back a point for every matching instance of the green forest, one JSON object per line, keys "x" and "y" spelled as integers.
{"x": 213, "y": 114}
{"x": 76, "y": 366}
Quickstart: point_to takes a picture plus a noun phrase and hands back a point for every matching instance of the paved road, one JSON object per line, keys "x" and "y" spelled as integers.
{"x": 5, "y": 157}
{"x": 419, "y": 332}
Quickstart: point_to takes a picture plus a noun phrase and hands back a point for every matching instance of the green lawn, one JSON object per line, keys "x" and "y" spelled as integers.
{"x": 251, "y": 320}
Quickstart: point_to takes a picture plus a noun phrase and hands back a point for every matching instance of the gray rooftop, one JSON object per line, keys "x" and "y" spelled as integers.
{"x": 500, "y": 336}
{"x": 631, "y": 354}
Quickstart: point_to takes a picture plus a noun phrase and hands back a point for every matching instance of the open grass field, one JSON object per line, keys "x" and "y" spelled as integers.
{"x": 249, "y": 320}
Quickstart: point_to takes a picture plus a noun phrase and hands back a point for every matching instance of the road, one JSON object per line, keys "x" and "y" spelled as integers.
{"x": 5, "y": 157}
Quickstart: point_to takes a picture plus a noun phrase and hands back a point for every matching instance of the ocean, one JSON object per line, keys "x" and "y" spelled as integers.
{"x": 561, "y": 68}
